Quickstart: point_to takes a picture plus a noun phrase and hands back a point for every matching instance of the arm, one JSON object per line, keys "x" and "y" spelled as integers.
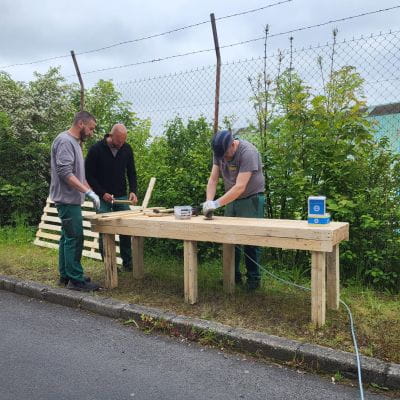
{"x": 132, "y": 179}
{"x": 212, "y": 183}
{"x": 235, "y": 191}
{"x": 74, "y": 182}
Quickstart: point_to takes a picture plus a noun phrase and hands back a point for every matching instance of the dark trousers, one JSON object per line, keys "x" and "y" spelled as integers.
{"x": 251, "y": 207}
{"x": 71, "y": 242}
{"x": 124, "y": 241}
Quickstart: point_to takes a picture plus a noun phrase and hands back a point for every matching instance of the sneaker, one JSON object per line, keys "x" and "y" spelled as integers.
{"x": 63, "y": 281}
{"x": 82, "y": 286}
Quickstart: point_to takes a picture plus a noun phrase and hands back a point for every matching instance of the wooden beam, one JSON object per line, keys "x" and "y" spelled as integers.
{"x": 110, "y": 265}
{"x": 194, "y": 232}
{"x": 190, "y": 271}
{"x": 137, "y": 257}
{"x": 332, "y": 278}
{"x": 228, "y": 251}
{"x": 318, "y": 294}
{"x": 148, "y": 192}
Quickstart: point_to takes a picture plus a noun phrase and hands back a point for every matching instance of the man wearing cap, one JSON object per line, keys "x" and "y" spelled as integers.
{"x": 238, "y": 162}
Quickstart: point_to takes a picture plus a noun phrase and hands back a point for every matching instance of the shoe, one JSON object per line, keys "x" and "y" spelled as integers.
{"x": 127, "y": 268}
{"x": 238, "y": 280}
{"x": 63, "y": 281}
{"x": 82, "y": 286}
{"x": 251, "y": 286}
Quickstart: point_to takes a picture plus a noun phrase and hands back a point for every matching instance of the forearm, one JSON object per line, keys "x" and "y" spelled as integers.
{"x": 231, "y": 195}
{"x": 211, "y": 189}
{"x": 74, "y": 182}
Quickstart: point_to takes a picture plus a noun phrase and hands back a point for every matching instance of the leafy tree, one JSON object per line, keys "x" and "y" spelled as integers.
{"x": 324, "y": 144}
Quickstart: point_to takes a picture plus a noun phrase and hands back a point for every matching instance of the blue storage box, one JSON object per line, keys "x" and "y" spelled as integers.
{"x": 319, "y": 219}
{"x": 316, "y": 205}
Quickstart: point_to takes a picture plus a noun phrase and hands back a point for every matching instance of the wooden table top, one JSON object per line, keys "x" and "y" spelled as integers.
{"x": 291, "y": 234}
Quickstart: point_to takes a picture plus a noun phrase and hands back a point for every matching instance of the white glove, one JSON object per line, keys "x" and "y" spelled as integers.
{"x": 210, "y": 206}
{"x": 93, "y": 196}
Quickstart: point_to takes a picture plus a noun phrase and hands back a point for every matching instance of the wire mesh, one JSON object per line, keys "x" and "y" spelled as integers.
{"x": 190, "y": 94}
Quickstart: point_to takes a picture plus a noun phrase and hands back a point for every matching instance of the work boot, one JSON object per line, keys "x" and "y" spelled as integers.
{"x": 63, "y": 281}
{"x": 82, "y": 286}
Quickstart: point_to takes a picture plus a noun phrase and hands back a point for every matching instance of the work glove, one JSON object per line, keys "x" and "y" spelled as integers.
{"x": 93, "y": 196}
{"x": 209, "y": 206}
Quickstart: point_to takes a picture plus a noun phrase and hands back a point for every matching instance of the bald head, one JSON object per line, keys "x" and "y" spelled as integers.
{"x": 118, "y": 135}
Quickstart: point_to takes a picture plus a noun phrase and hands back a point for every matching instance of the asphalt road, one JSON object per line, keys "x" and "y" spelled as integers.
{"x": 53, "y": 352}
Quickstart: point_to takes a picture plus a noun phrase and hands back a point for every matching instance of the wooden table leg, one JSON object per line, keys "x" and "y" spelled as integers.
{"x": 332, "y": 278}
{"x": 318, "y": 288}
{"x": 110, "y": 262}
{"x": 228, "y": 251}
{"x": 137, "y": 257}
{"x": 190, "y": 271}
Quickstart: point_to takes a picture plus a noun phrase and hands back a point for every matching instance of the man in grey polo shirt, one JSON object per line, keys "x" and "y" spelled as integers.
{"x": 238, "y": 162}
{"x": 68, "y": 189}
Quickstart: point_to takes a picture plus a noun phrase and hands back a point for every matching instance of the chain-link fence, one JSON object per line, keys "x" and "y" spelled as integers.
{"x": 191, "y": 94}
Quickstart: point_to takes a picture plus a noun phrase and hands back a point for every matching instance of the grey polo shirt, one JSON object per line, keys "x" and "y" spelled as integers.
{"x": 246, "y": 159}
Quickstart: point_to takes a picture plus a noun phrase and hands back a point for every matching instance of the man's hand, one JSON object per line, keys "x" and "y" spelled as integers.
{"x": 210, "y": 206}
{"x": 93, "y": 196}
{"x": 108, "y": 197}
{"x": 132, "y": 198}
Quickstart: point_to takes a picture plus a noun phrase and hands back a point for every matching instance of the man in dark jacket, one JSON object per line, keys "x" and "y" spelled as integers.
{"x": 109, "y": 164}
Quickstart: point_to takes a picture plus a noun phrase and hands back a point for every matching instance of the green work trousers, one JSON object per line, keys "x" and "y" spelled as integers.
{"x": 71, "y": 242}
{"x": 250, "y": 207}
{"x": 124, "y": 241}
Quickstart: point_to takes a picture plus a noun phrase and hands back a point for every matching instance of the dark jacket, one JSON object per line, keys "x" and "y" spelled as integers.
{"x": 106, "y": 173}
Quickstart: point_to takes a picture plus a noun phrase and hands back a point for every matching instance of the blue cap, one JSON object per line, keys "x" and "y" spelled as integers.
{"x": 221, "y": 142}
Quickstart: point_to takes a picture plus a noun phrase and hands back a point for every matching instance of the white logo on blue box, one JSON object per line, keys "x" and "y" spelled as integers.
{"x": 317, "y": 205}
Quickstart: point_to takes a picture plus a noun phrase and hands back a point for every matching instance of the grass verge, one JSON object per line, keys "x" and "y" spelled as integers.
{"x": 274, "y": 309}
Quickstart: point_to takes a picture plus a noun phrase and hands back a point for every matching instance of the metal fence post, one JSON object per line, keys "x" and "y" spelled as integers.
{"x": 82, "y": 103}
{"x": 218, "y": 72}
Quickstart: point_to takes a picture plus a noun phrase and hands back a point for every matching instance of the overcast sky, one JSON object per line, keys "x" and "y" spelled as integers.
{"x": 38, "y": 29}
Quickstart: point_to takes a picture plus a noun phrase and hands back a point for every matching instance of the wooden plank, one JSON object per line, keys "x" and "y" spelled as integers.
{"x": 332, "y": 279}
{"x": 342, "y": 233}
{"x": 229, "y": 267}
{"x": 216, "y": 237}
{"x": 190, "y": 271}
{"x": 115, "y": 215}
{"x": 56, "y": 238}
{"x": 137, "y": 257}
{"x": 230, "y": 225}
{"x": 148, "y": 193}
{"x": 53, "y": 210}
{"x": 318, "y": 294}
{"x": 57, "y": 228}
{"x": 85, "y": 253}
{"x": 49, "y": 218}
{"x": 110, "y": 265}
{"x": 42, "y": 243}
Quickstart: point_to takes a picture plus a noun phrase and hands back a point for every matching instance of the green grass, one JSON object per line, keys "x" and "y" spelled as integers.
{"x": 274, "y": 309}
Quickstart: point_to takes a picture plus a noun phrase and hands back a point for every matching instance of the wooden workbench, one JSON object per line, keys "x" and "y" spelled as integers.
{"x": 321, "y": 240}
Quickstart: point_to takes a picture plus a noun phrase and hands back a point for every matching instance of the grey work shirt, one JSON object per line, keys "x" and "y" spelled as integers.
{"x": 246, "y": 159}
{"x": 66, "y": 160}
